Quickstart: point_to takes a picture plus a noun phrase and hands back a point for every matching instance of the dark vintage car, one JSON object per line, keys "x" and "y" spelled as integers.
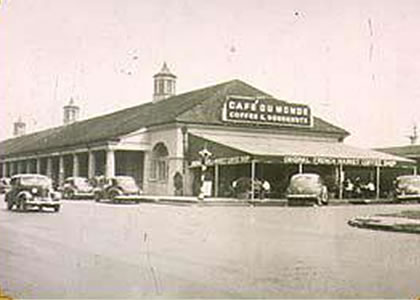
{"x": 4, "y": 185}
{"x": 407, "y": 187}
{"x": 117, "y": 189}
{"x": 32, "y": 190}
{"x": 306, "y": 188}
{"x": 76, "y": 188}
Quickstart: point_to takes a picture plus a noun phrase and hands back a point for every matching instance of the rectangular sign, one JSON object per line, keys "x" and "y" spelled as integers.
{"x": 338, "y": 161}
{"x": 239, "y": 109}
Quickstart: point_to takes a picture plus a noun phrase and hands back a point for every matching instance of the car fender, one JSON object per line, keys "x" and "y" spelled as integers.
{"x": 116, "y": 190}
{"x": 25, "y": 194}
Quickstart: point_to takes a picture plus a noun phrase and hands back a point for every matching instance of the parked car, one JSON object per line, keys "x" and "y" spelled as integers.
{"x": 407, "y": 187}
{"x": 306, "y": 188}
{"x": 32, "y": 190}
{"x": 77, "y": 187}
{"x": 117, "y": 189}
{"x": 4, "y": 185}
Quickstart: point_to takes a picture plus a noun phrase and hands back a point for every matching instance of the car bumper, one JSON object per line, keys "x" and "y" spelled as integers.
{"x": 408, "y": 196}
{"x": 42, "y": 202}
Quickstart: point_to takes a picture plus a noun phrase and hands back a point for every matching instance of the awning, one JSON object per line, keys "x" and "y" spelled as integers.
{"x": 299, "y": 151}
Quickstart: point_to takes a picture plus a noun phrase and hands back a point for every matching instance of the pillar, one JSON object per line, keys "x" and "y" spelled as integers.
{"x": 110, "y": 163}
{"x": 4, "y": 169}
{"x": 75, "y": 165}
{"x": 49, "y": 167}
{"x": 378, "y": 181}
{"x": 252, "y": 179}
{"x": 38, "y": 165}
{"x": 415, "y": 170}
{"x": 60, "y": 169}
{"x": 91, "y": 167}
{"x": 216, "y": 180}
{"x": 300, "y": 168}
{"x": 13, "y": 167}
{"x": 340, "y": 181}
{"x": 20, "y": 167}
{"x": 28, "y": 166}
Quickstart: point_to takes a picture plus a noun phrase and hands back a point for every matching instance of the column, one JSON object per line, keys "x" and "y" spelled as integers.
{"x": 378, "y": 181}
{"x": 110, "y": 163}
{"x": 415, "y": 170}
{"x": 8, "y": 171}
{"x": 91, "y": 167}
{"x": 60, "y": 169}
{"x": 300, "y": 168}
{"x": 28, "y": 167}
{"x": 75, "y": 165}
{"x": 49, "y": 167}
{"x": 340, "y": 182}
{"x": 252, "y": 179}
{"x": 4, "y": 169}
{"x": 20, "y": 167}
{"x": 38, "y": 165}
{"x": 13, "y": 168}
{"x": 216, "y": 180}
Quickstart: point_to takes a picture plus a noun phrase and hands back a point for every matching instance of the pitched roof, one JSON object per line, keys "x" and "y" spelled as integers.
{"x": 407, "y": 151}
{"x": 199, "y": 107}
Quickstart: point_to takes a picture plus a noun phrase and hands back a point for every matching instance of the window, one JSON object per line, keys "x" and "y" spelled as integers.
{"x": 159, "y": 163}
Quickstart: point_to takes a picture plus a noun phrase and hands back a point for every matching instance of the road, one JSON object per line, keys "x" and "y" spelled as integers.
{"x": 99, "y": 250}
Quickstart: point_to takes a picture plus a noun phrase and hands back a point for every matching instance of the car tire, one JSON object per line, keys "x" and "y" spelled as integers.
{"x": 97, "y": 197}
{"x": 22, "y": 204}
{"x": 10, "y": 205}
{"x": 113, "y": 195}
{"x": 68, "y": 194}
{"x": 57, "y": 208}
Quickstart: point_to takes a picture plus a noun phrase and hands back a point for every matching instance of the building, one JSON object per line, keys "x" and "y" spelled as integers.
{"x": 410, "y": 151}
{"x": 245, "y": 131}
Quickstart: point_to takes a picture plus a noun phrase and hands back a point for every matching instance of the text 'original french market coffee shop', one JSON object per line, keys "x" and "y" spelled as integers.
{"x": 236, "y": 129}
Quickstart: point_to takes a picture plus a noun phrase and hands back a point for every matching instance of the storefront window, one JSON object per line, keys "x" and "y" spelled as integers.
{"x": 159, "y": 163}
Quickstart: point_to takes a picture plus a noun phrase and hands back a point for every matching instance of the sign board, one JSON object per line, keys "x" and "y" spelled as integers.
{"x": 362, "y": 162}
{"x": 240, "y": 109}
{"x": 207, "y": 187}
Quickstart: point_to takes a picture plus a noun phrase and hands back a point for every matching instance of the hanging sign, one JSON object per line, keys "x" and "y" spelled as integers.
{"x": 240, "y": 109}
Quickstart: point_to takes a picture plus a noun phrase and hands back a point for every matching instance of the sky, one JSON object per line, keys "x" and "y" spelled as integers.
{"x": 355, "y": 63}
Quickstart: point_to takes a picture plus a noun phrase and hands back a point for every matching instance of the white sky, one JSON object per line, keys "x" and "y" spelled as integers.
{"x": 356, "y": 63}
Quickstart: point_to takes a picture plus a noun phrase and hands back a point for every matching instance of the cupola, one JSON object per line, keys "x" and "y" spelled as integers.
{"x": 164, "y": 84}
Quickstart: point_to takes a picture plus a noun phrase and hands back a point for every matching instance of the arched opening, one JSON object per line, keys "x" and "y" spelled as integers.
{"x": 159, "y": 163}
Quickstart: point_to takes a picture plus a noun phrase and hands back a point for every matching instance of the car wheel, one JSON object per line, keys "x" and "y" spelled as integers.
{"x": 68, "y": 194}
{"x": 324, "y": 198}
{"x": 22, "y": 204}
{"x": 113, "y": 195}
{"x": 97, "y": 197}
{"x": 9, "y": 204}
{"x": 57, "y": 208}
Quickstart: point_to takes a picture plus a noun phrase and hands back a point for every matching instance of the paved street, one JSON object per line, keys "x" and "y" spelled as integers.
{"x": 92, "y": 250}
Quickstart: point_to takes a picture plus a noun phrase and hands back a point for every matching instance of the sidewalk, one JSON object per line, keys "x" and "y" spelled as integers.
{"x": 211, "y": 201}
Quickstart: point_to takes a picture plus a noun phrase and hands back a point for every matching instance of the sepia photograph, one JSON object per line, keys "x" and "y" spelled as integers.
{"x": 192, "y": 149}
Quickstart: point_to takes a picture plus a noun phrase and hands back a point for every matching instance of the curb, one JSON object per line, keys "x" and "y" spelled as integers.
{"x": 386, "y": 224}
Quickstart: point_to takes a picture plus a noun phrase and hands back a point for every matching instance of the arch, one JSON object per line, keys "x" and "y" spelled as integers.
{"x": 159, "y": 163}
{"x": 160, "y": 150}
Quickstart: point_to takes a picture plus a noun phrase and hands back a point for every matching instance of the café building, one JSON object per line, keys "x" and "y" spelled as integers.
{"x": 217, "y": 134}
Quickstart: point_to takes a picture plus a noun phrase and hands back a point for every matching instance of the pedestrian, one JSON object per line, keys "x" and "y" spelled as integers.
{"x": 357, "y": 187}
{"x": 348, "y": 188}
{"x": 370, "y": 189}
{"x": 265, "y": 189}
